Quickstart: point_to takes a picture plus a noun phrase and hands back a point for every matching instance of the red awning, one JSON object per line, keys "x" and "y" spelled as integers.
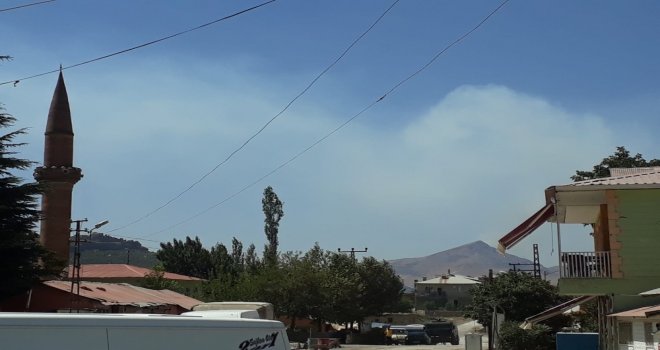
{"x": 524, "y": 229}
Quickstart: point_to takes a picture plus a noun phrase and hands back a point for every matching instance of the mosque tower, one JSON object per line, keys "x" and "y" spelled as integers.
{"x": 57, "y": 175}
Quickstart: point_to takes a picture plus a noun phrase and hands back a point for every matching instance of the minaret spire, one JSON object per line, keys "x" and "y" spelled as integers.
{"x": 57, "y": 175}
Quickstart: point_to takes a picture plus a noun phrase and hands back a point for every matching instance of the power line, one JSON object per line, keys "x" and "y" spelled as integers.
{"x": 263, "y": 127}
{"x": 25, "y": 5}
{"x": 341, "y": 126}
{"x": 16, "y": 81}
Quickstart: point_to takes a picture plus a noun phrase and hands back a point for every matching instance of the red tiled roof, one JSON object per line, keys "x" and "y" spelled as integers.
{"x": 93, "y": 271}
{"x": 645, "y": 311}
{"x": 126, "y": 294}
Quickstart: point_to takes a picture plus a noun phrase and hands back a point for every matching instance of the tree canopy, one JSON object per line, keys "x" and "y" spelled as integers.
{"x": 187, "y": 257}
{"x": 20, "y": 251}
{"x": 318, "y": 284}
{"x": 620, "y": 159}
{"x": 322, "y": 285}
{"x": 518, "y": 294}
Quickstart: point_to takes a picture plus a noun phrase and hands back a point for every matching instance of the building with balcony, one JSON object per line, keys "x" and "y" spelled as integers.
{"x": 624, "y": 212}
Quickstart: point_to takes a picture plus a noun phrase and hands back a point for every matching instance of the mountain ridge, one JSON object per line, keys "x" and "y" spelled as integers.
{"x": 471, "y": 259}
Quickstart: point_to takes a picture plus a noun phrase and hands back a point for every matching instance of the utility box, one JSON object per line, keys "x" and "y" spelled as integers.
{"x": 577, "y": 341}
{"x": 473, "y": 342}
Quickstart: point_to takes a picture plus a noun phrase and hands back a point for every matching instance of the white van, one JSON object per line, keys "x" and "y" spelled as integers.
{"x": 38, "y": 331}
{"x": 265, "y": 310}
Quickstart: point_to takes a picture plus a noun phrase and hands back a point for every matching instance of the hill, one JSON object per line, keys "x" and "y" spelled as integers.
{"x": 472, "y": 259}
{"x": 105, "y": 249}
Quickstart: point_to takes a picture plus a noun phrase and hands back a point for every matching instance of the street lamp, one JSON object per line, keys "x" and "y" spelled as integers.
{"x": 75, "y": 276}
{"x": 102, "y": 223}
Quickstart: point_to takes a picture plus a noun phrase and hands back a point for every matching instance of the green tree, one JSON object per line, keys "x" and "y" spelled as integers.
{"x": 381, "y": 288}
{"x": 251, "y": 259}
{"x": 156, "y": 280}
{"x": 272, "y": 207}
{"x": 221, "y": 265}
{"x": 303, "y": 292}
{"x": 512, "y": 337}
{"x": 237, "y": 257}
{"x": 187, "y": 257}
{"x": 519, "y": 294}
{"x": 20, "y": 251}
{"x": 342, "y": 287}
{"x": 620, "y": 159}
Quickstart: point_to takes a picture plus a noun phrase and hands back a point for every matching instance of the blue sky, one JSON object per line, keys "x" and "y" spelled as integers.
{"x": 461, "y": 152}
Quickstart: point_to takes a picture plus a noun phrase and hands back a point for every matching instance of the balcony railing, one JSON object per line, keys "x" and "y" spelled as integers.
{"x": 585, "y": 265}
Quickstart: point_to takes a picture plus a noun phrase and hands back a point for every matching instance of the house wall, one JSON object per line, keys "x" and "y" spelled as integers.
{"x": 458, "y": 295}
{"x": 47, "y": 299}
{"x": 631, "y": 232}
{"x": 639, "y": 336}
{"x": 639, "y": 225}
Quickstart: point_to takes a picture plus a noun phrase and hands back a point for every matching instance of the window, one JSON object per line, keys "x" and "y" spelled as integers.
{"x": 625, "y": 333}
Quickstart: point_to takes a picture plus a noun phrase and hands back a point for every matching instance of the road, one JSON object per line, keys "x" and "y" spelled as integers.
{"x": 465, "y": 328}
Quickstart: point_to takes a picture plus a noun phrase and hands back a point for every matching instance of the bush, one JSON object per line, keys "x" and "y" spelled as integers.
{"x": 512, "y": 337}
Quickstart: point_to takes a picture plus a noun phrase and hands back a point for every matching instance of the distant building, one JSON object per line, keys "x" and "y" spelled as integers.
{"x": 123, "y": 273}
{"x": 452, "y": 289}
{"x": 56, "y": 296}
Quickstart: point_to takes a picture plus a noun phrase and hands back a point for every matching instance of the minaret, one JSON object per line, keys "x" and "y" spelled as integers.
{"x": 57, "y": 175}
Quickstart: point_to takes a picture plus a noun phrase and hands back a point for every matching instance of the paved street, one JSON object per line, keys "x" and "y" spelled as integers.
{"x": 407, "y": 347}
{"x": 465, "y": 328}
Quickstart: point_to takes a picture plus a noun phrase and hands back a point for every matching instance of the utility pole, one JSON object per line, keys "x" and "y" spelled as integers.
{"x": 75, "y": 272}
{"x": 536, "y": 264}
{"x": 352, "y": 251}
{"x": 489, "y": 327}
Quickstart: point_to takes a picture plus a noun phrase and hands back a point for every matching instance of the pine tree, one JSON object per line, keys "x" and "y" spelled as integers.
{"x": 21, "y": 255}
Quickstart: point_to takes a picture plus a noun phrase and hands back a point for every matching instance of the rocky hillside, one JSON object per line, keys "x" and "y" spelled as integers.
{"x": 473, "y": 259}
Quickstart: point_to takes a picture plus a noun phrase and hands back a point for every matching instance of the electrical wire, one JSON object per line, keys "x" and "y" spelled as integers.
{"x": 25, "y": 5}
{"x": 263, "y": 127}
{"x": 16, "y": 81}
{"x": 341, "y": 126}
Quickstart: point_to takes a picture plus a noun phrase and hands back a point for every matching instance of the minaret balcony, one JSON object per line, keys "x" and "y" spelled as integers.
{"x": 58, "y": 174}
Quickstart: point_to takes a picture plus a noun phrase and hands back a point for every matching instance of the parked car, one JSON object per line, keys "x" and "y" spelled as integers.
{"x": 442, "y": 331}
{"x": 399, "y": 335}
{"x": 417, "y": 336}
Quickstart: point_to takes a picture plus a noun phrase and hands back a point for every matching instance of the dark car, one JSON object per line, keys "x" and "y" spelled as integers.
{"x": 442, "y": 332}
{"x": 418, "y": 336}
